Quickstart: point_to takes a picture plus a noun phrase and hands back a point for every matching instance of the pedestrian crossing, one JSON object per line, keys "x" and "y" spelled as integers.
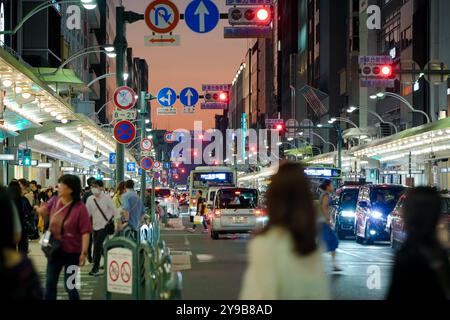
{"x": 87, "y": 285}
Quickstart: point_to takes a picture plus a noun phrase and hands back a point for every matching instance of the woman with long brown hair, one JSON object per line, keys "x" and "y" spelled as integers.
{"x": 285, "y": 260}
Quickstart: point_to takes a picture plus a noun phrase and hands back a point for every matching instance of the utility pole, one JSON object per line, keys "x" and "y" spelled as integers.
{"x": 121, "y": 45}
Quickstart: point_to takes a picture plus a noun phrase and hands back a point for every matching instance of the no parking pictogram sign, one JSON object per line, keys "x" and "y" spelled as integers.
{"x": 124, "y": 132}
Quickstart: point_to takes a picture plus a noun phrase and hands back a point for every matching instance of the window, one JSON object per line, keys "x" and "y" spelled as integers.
{"x": 212, "y": 194}
{"x": 238, "y": 199}
{"x": 407, "y": 38}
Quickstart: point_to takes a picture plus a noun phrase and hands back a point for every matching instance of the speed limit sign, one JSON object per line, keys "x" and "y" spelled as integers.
{"x": 146, "y": 145}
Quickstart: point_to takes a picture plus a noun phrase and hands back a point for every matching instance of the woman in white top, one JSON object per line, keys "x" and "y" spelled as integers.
{"x": 285, "y": 260}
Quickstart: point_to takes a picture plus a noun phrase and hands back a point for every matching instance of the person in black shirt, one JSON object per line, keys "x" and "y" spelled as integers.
{"x": 421, "y": 269}
{"x": 86, "y": 195}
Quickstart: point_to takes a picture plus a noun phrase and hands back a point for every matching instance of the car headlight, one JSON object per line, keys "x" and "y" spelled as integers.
{"x": 376, "y": 215}
{"x": 348, "y": 214}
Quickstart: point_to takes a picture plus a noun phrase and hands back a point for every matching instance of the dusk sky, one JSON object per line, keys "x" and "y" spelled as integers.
{"x": 200, "y": 59}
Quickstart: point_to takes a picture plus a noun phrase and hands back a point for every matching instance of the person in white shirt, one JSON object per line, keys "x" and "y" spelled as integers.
{"x": 285, "y": 259}
{"x": 102, "y": 210}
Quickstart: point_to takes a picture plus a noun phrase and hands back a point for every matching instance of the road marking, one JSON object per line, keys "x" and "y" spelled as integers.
{"x": 186, "y": 241}
{"x": 348, "y": 253}
{"x": 205, "y": 257}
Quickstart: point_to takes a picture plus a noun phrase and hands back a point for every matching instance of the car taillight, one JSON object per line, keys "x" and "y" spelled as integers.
{"x": 260, "y": 213}
{"x": 217, "y": 213}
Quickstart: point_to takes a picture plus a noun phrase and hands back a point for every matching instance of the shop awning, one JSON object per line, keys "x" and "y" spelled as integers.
{"x": 61, "y": 79}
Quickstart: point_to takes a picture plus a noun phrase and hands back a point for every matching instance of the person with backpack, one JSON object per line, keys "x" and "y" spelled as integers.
{"x": 24, "y": 211}
{"x": 103, "y": 212}
{"x": 67, "y": 240}
{"x": 421, "y": 269}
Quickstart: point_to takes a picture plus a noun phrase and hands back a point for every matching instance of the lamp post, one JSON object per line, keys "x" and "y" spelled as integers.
{"x": 87, "y": 4}
{"x": 381, "y": 95}
{"x": 324, "y": 141}
{"x": 352, "y": 109}
{"x": 333, "y": 120}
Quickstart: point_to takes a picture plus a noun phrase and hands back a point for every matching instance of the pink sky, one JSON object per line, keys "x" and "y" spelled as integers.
{"x": 200, "y": 59}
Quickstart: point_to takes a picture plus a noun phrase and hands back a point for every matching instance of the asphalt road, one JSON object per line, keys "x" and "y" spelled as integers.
{"x": 213, "y": 270}
{"x": 217, "y": 267}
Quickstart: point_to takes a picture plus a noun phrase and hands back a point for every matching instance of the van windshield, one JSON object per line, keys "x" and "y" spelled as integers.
{"x": 238, "y": 199}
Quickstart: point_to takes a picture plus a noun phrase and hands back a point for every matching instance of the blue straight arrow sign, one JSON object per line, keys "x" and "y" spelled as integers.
{"x": 202, "y": 16}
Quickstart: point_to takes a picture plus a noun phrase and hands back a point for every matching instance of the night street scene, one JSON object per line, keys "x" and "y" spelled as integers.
{"x": 225, "y": 156}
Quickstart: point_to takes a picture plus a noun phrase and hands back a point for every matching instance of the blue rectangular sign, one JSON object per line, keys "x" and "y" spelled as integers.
{"x": 112, "y": 158}
{"x": 248, "y": 2}
{"x": 247, "y": 32}
{"x": 131, "y": 166}
{"x": 214, "y": 106}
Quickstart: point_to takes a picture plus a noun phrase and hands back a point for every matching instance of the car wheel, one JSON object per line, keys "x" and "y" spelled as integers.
{"x": 368, "y": 239}
{"x": 214, "y": 235}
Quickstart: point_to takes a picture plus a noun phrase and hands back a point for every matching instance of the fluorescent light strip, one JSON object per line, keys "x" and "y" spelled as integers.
{"x": 53, "y": 143}
{"x": 76, "y": 139}
{"x": 9, "y": 129}
{"x": 22, "y": 114}
{"x": 96, "y": 139}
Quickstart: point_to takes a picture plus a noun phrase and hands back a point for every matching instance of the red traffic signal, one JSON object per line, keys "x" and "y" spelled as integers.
{"x": 217, "y": 97}
{"x": 385, "y": 71}
{"x": 257, "y": 16}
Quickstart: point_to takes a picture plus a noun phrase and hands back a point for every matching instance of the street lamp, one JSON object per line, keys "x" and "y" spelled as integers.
{"x": 324, "y": 141}
{"x": 333, "y": 120}
{"x": 381, "y": 95}
{"x": 87, "y": 4}
{"x": 352, "y": 109}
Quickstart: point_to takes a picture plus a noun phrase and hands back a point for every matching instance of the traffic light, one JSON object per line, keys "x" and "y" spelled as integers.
{"x": 217, "y": 97}
{"x": 250, "y": 16}
{"x": 27, "y": 158}
{"x": 382, "y": 71}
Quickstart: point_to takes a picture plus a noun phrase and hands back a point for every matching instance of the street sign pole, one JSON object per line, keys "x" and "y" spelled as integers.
{"x": 121, "y": 45}
{"x": 143, "y": 115}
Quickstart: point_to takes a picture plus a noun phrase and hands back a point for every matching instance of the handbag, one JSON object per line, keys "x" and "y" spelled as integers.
{"x": 110, "y": 228}
{"x": 49, "y": 244}
{"x": 198, "y": 220}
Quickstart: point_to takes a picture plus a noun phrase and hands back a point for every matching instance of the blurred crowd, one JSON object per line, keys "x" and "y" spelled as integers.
{"x": 71, "y": 223}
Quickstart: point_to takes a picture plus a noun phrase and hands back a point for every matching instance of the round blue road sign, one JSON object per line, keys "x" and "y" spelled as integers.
{"x": 167, "y": 97}
{"x": 125, "y": 132}
{"x": 202, "y": 16}
{"x": 189, "y": 97}
{"x": 146, "y": 163}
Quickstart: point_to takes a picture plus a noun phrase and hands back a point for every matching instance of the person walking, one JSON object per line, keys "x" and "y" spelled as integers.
{"x": 102, "y": 212}
{"x": 201, "y": 209}
{"x": 71, "y": 226}
{"x": 17, "y": 275}
{"x": 24, "y": 210}
{"x": 328, "y": 234}
{"x": 421, "y": 269}
{"x": 26, "y": 192}
{"x": 86, "y": 195}
{"x": 117, "y": 198}
{"x": 133, "y": 208}
{"x": 285, "y": 260}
